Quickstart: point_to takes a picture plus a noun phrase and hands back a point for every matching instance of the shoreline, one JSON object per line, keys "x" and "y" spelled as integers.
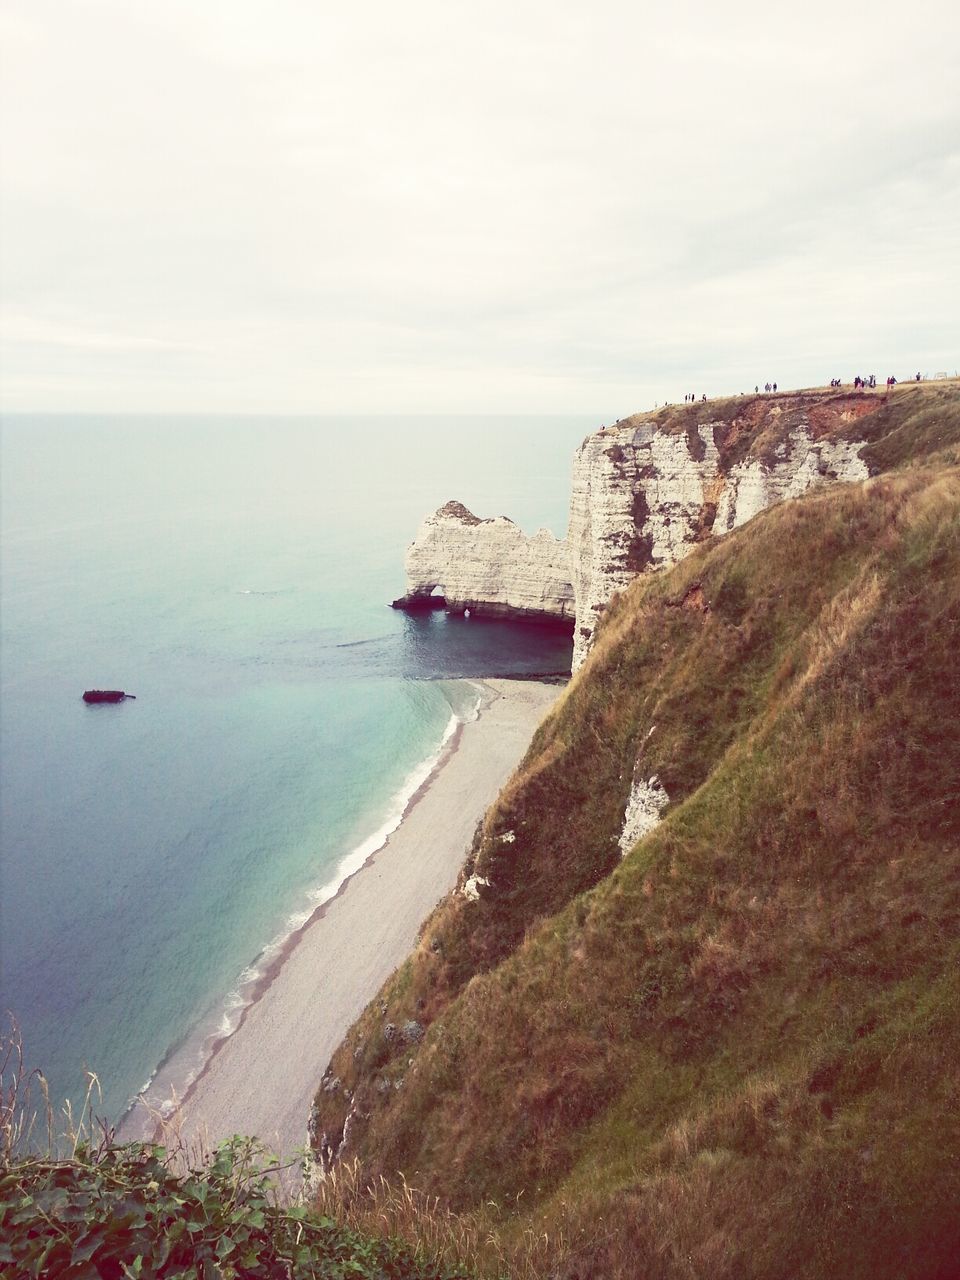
{"x": 261, "y": 984}
{"x": 325, "y": 970}
{"x": 177, "y": 1070}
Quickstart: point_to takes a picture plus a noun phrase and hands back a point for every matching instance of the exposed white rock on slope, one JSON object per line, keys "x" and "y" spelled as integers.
{"x": 471, "y": 887}
{"x": 489, "y": 565}
{"x": 647, "y": 801}
{"x": 643, "y": 497}
{"x": 636, "y": 504}
{"x": 750, "y": 486}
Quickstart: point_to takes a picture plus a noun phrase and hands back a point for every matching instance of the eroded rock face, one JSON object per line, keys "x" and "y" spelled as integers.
{"x": 637, "y": 504}
{"x": 643, "y": 497}
{"x": 472, "y": 886}
{"x": 648, "y": 798}
{"x": 751, "y": 486}
{"x": 488, "y": 566}
{"x": 644, "y": 493}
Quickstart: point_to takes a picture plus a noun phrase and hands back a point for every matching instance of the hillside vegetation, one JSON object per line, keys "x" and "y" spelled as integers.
{"x": 82, "y": 1206}
{"x": 736, "y": 1051}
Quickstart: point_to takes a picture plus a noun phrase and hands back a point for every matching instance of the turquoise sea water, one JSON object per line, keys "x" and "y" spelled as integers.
{"x": 233, "y": 574}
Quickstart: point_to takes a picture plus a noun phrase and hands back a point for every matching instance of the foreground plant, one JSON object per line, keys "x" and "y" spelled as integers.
{"x": 120, "y": 1211}
{"x": 90, "y": 1208}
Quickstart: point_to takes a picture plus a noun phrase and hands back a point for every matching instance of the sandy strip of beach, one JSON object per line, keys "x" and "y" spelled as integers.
{"x": 261, "y": 1080}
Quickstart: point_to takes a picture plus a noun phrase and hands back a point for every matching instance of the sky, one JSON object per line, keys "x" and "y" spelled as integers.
{"x": 296, "y": 206}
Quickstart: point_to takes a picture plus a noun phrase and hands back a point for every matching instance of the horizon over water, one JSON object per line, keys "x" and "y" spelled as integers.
{"x": 234, "y": 574}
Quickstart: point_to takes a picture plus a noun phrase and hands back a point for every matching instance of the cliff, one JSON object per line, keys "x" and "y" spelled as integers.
{"x": 644, "y": 493}
{"x": 694, "y": 1007}
{"x": 488, "y": 566}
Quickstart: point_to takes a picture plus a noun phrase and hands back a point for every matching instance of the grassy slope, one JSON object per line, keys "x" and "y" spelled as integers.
{"x": 736, "y": 1052}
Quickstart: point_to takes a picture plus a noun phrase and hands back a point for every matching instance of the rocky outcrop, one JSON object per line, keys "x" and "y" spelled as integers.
{"x": 644, "y": 493}
{"x": 646, "y": 802}
{"x": 487, "y": 566}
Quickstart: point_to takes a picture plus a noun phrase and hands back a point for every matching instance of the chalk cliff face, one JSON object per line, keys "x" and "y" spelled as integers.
{"x": 488, "y": 566}
{"x": 644, "y": 493}
{"x": 643, "y": 496}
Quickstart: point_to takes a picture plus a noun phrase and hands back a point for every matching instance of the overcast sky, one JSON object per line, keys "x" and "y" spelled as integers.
{"x": 430, "y": 206}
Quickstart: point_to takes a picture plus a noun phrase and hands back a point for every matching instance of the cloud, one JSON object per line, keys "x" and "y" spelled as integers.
{"x": 18, "y": 330}
{"x": 454, "y": 206}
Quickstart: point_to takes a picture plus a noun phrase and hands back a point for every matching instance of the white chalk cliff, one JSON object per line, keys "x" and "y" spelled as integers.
{"x": 643, "y": 497}
{"x": 488, "y": 566}
{"x": 644, "y": 493}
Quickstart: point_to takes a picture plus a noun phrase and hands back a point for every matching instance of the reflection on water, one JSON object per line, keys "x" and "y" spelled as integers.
{"x": 437, "y": 644}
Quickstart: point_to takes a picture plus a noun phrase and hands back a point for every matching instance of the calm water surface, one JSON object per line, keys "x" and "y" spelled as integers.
{"x": 233, "y": 574}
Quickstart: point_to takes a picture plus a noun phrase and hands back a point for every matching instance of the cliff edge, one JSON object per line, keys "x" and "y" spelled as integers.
{"x": 648, "y": 490}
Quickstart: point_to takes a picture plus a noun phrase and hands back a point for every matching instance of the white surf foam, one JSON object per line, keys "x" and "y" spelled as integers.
{"x": 244, "y": 992}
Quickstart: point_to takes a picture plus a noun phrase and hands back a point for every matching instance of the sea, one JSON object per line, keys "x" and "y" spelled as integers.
{"x": 234, "y": 574}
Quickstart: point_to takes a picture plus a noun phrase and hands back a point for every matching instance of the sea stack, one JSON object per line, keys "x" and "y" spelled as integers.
{"x": 645, "y": 493}
{"x": 490, "y": 567}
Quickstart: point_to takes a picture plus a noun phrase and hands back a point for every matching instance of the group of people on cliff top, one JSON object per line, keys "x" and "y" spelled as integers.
{"x": 861, "y": 384}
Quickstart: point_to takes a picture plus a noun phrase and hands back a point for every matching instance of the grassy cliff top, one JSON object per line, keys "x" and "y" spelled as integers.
{"x": 912, "y": 421}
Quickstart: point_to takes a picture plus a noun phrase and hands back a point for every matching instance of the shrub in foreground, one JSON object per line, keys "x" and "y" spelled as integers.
{"x": 121, "y": 1211}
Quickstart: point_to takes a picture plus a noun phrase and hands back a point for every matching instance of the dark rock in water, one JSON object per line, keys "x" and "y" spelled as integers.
{"x": 419, "y": 602}
{"x": 107, "y": 695}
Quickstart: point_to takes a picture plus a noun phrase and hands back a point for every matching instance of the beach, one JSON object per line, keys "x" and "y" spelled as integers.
{"x": 260, "y": 1080}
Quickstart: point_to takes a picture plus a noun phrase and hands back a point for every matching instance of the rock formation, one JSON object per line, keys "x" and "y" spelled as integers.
{"x": 644, "y": 493}
{"x": 645, "y": 804}
{"x": 107, "y": 695}
{"x": 488, "y": 567}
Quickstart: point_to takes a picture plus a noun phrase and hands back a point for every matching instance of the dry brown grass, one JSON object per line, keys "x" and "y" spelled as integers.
{"x": 489, "y": 1241}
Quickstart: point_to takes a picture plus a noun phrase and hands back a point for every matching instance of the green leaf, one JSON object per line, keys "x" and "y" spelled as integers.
{"x": 88, "y": 1243}
{"x": 225, "y": 1246}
